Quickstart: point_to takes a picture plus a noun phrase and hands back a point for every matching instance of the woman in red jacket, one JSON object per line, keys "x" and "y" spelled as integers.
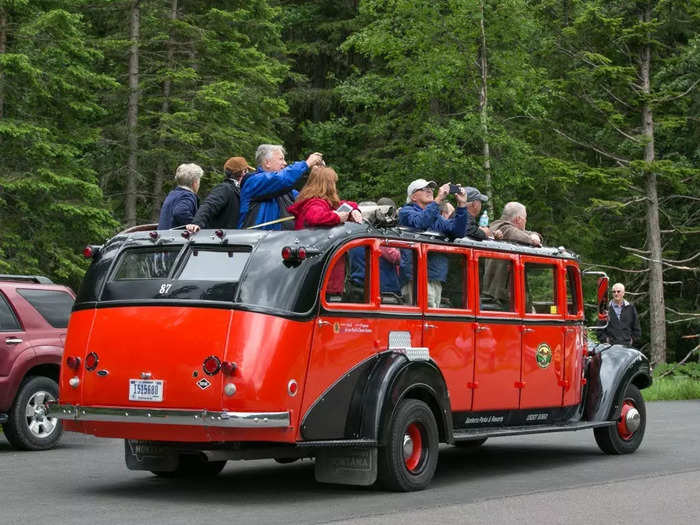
{"x": 316, "y": 206}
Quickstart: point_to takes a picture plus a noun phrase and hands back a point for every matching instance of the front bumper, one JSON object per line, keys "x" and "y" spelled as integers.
{"x": 159, "y": 416}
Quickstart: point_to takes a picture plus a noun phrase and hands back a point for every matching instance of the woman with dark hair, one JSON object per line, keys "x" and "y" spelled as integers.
{"x": 317, "y": 206}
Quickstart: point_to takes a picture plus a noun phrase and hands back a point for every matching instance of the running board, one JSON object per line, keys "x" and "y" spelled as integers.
{"x": 487, "y": 432}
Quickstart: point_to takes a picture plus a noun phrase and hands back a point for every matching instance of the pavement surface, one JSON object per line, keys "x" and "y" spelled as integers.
{"x": 549, "y": 478}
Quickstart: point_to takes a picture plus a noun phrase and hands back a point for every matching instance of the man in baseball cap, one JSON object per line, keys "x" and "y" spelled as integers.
{"x": 422, "y": 211}
{"x": 221, "y": 207}
{"x": 474, "y": 200}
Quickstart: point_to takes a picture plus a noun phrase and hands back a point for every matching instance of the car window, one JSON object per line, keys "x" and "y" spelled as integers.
{"x": 53, "y": 305}
{"x": 447, "y": 280}
{"x": 496, "y": 284}
{"x": 540, "y": 289}
{"x": 349, "y": 278}
{"x": 8, "y": 321}
{"x": 214, "y": 265}
{"x": 572, "y": 295}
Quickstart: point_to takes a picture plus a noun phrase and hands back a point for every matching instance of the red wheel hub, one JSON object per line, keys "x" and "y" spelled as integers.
{"x": 629, "y": 420}
{"x": 412, "y": 446}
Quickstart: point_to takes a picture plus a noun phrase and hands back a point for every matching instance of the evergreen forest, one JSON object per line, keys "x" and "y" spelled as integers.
{"x": 586, "y": 111}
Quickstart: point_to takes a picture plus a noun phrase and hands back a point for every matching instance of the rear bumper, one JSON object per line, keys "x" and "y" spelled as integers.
{"x": 158, "y": 416}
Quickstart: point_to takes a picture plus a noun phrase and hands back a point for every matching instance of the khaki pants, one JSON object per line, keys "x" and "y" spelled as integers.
{"x": 434, "y": 293}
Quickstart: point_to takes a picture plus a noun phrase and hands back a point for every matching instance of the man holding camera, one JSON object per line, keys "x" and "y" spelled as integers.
{"x": 422, "y": 211}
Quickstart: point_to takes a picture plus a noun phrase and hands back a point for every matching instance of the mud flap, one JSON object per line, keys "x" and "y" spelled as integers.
{"x": 347, "y": 466}
{"x": 141, "y": 455}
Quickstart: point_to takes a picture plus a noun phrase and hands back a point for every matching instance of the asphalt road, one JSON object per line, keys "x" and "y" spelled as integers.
{"x": 552, "y": 478}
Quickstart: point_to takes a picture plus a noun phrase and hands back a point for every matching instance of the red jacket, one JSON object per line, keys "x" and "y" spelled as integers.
{"x": 315, "y": 212}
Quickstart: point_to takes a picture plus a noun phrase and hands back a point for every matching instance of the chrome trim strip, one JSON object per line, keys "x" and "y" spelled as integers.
{"x": 160, "y": 416}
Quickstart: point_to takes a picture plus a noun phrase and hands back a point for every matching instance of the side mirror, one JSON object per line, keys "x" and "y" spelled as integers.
{"x": 601, "y": 305}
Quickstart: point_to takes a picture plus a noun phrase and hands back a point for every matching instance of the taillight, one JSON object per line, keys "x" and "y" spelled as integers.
{"x": 73, "y": 362}
{"x": 211, "y": 365}
{"x": 153, "y": 235}
{"x": 287, "y": 253}
{"x": 91, "y": 361}
{"x": 91, "y": 250}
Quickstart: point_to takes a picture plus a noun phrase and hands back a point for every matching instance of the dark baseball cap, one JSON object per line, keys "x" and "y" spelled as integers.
{"x": 475, "y": 195}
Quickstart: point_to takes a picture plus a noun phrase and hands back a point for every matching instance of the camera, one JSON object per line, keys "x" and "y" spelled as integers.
{"x": 455, "y": 188}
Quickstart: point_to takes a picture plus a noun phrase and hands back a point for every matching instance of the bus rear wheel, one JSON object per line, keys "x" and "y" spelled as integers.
{"x": 408, "y": 460}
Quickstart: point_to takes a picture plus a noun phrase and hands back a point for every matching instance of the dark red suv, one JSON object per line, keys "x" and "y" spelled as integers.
{"x": 34, "y": 315}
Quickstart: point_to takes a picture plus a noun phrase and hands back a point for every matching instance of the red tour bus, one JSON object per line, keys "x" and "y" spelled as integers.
{"x": 318, "y": 343}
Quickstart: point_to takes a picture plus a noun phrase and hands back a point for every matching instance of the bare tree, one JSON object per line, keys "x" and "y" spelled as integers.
{"x": 164, "y": 110}
{"x": 483, "y": 110}
{"x": 3, "y": 44}
{"x": 133, "y": 114}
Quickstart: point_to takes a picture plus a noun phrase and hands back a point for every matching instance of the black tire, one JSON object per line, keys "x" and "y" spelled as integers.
{"x": 193, "y": 466}
{"x": 618, "y": 439}
{"x": 27, "y": 427}
{"x": 470, "y": 443}
{"x": 408, "y": 459}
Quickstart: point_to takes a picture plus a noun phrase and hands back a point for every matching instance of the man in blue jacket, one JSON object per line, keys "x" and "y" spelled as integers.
{"x": 181, "y": 204}
{"x": 422, "y": 211}
{"x": 267, "y": 192}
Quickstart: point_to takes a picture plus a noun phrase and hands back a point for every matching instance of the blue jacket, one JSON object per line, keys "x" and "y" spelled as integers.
{"x": 178, "y": 208}
{"x": 430, "y": 219}
{"x": 262, "y": 188}
{"x": 388, "y": 278}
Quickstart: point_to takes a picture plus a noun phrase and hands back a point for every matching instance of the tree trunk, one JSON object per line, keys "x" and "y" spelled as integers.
{"x": 3, "y": 44}
{"x": 164, "y": 110}
{"x": 657, "y": 313}
{"x": 133, "y": 115}
{"x": 483, "y": 113}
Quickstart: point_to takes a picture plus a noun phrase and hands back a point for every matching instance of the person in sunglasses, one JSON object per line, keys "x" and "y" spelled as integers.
{"x": 623, "y": 322}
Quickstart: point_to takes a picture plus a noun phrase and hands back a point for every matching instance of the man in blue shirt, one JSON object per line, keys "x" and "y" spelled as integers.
{"x": 422, "y": 211}
{"x": 267, "y": 192}
{"x": 181, "y": 204}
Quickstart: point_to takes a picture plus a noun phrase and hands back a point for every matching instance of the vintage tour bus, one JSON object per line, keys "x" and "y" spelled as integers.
{"x": 320, "y": 344}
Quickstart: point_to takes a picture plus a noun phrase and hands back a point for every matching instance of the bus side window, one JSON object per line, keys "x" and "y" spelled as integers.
{"x": 572, "y": 298}
{"x": 540, "y": 289}
{"x": 348, "y": 280}
{"x": 407, "y": 275}
{"x": 496, "y": 284}
{"x": 447, "y": 280}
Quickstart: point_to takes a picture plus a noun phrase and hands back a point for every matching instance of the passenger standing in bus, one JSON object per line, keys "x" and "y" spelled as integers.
{"x": 268, "y": 192}
{"x": 512, "y": 225}
{"x": 180, "y": 205}
{"x": 315, "y": 206}
{"x": 220, "y": 208}
{"x": 422, "y": 211}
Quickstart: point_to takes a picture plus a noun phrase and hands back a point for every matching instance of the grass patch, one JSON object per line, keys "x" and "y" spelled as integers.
{"x": 672, "y": 388}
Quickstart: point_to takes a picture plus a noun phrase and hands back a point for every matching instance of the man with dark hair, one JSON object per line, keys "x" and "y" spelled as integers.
{"x": 623, "y": 322}
{"x": 220, "y": 208}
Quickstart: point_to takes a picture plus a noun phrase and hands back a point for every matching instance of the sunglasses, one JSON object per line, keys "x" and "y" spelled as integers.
{"x": 617, "y": 291}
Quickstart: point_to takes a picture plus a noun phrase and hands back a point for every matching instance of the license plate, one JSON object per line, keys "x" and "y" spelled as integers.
{"x": 145, "y": 390}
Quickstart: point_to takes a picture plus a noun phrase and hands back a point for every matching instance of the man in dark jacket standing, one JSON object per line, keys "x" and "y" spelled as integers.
{"x": 623, "y": 322}
{"x": 221, "y": 207}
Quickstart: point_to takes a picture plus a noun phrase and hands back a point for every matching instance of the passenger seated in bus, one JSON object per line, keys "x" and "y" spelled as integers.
{"x": 315, "y": 206}
{"x": 422, "y": 211}
{"x": 512, "y": 225}
{"x": 181, "y": 204}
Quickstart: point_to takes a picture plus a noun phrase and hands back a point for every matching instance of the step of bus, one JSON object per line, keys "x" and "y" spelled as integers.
{"x": 478, "y": 433}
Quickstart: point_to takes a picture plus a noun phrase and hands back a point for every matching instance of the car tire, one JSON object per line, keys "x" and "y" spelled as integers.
{"x": 408, "y": 459}
{"x": 621, "y": 438}
{"x": 193, "y": 466}
{"x": 470, "y": 443}
{"x": 27, "y": 426}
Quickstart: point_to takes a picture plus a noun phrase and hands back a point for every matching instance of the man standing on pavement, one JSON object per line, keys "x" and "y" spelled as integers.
{"x": 422, "y": 211}
{"x": 623, "y": 322}
{"x": 512, "y": 225}
{"x": 268, "y": 192}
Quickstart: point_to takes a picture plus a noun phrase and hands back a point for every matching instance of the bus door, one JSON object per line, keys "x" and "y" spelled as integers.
{"x": 448, "y": 327}
{"x": 543, "y": 335}
{"x": 574, "y": 348}
{"x": 497, "y": 333}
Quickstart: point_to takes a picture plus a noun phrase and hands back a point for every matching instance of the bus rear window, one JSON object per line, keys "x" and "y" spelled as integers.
{"x": 210, "y": 265}
{"x": 145, "y": 264}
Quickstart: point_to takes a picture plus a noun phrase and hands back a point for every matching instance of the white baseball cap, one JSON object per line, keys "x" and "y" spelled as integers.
{"x": 418, "y": 184}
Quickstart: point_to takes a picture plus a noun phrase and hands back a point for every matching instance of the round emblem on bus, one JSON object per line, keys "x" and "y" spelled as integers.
{"x": 543, "y": 355}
